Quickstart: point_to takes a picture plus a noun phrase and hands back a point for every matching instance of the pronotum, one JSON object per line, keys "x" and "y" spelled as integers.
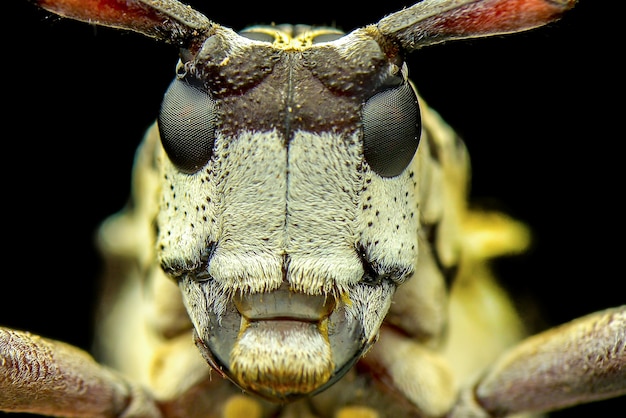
{"x": 413, "y": 71}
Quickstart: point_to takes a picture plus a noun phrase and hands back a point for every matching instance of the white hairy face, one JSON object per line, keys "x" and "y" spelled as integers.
{"x": 289, "y": 214}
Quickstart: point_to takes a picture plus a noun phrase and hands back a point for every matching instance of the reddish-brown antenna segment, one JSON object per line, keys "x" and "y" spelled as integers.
{"x": 434, "y": 21}
{"x": 168, "y": 21}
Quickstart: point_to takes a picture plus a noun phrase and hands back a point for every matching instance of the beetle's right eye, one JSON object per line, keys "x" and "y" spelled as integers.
{"x": 391, "y": 129}
{"x": 187, "y": 125}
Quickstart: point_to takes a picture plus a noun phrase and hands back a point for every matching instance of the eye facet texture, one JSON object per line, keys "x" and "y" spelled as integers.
{"x": 391, "y": 129}
{"x": 187, "y": 125}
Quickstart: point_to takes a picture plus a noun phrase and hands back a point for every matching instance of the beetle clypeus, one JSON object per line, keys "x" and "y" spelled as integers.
{"x": 378, "y": 378}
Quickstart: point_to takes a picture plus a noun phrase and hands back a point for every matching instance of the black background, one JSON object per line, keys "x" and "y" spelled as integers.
{"x": 541, "y": 112}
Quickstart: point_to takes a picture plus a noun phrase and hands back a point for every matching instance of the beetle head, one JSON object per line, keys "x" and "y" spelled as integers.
{"x": 288, "y": 144}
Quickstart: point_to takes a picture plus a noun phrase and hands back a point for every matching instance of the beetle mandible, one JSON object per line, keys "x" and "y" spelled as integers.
{"x": 291, "y": 152}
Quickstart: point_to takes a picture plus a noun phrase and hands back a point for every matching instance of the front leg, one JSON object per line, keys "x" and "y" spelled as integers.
{"x": 578, "y": 362}
{"x": 48, "y": 377}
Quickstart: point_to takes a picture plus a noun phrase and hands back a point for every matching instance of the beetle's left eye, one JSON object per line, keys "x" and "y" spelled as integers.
{"x": 391, "y": 129}
{"x": 187, "y": 125}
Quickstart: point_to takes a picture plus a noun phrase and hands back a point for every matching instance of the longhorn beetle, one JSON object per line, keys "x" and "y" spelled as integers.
{"x": 373, "y": 275}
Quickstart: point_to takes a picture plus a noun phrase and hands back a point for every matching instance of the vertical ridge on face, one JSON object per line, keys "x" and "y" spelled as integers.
{"x": 323, "y": 204}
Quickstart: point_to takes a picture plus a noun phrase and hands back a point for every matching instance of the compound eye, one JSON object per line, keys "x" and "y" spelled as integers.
{"x": 187, "y": 125}
{"x": 391, "y": 129}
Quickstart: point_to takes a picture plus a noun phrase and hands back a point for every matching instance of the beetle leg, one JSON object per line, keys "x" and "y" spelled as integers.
{"x": 578, "y": 362}
{"x": 413, "y": 371}
{"x": 43, "y": 376}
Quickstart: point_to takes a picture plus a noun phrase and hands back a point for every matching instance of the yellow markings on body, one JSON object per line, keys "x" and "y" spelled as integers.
{"x": 357, "y": 412}
{"x": 345, "y": 298}
{"x": 494, "y": 234}
{"x": 286, "y": 41}
{"x": 240, "y": 406}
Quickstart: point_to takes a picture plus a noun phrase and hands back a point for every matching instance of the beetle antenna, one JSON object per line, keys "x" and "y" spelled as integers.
{"x": 434, "y": 21}
{"x": 166, "y": 20}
